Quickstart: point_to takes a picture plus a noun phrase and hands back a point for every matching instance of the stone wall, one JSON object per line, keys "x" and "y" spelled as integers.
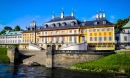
{"x": 10, "y": 54}
{"x": 66, "y": 58}
{"x": 13, "y": 55}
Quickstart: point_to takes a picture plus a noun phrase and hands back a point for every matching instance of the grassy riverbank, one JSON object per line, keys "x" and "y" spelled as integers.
{"x": 3, "y": 55}
{"x": 113, "y": 63}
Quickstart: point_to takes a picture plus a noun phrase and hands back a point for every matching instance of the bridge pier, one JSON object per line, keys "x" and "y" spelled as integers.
{"x": 13, "y": 55}
{"x": 49, "y": 58}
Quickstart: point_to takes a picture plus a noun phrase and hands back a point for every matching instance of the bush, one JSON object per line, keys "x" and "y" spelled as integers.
{"x": 3, "y": 55}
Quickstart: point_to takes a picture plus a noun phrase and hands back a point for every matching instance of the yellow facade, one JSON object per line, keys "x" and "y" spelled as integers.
{"x": 100, "y": 37}
{"x": 75, "y": 35}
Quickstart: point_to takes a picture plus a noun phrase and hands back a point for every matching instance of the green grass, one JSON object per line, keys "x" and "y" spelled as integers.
{"x": 111, "y": 63}
{"x": 3, "y": 55}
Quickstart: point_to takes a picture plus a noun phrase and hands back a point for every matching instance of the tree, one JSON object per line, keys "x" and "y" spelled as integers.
{"x": 2, "y": 32}
{"x": 17, "y": 28}
{"x": 119, "y": 24}
{"x": 7, "y": 28}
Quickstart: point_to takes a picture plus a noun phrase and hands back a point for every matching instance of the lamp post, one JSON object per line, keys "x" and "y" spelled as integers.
{"x": 35, "y": 33}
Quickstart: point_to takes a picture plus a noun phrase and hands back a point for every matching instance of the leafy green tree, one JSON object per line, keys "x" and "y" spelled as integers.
{"x": 7, "y": 28}
{"x": 17, "y": 28}
{"x": 2, "y": 32}
{"x": 119, "y": 24}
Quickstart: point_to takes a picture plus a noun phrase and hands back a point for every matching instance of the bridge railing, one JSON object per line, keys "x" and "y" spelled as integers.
{"x": 82, "y": 52}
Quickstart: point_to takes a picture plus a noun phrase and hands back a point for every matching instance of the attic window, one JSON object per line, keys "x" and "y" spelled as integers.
{"x": 58, "y": 24}
{"x": 45, "y": 26}
{"x": 83, "y": 24}
{"x": 39, "y": 28}
{"x": 53, "y": 25}
{"x": 104, "y": 22}
{"x": 63, "y": 24}
{"x": 95, "y": 23}
{"x": 72, "y": 23}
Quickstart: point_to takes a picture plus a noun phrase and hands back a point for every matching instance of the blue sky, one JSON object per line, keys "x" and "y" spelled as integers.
{"x": 22, "y": 12}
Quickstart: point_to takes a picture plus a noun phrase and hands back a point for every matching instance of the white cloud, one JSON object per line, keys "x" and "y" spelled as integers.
{"x": 112, "y": 18}
{"x": 92, "y": 18}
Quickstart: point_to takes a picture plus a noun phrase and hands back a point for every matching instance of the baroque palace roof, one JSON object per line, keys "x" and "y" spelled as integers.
{"x": 70, "y": 22}
{"x": 11, "y": 33}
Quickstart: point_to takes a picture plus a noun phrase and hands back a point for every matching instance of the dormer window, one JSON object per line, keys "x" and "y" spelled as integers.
{"x": 83, "y": 24}
{"x": 28, "y": 28}
{"x": 45, "y": 26}
{"x": 53, "y": 25}
{"x": 32, "y": 28}
{"x": 72, "y": 23}
{"x": 58, "y": 24}
{"x": 95, "y": 23}
{"x": 63, "y": 24}
{"x": 39, "y": 28}
{"x": 104, "y": 22}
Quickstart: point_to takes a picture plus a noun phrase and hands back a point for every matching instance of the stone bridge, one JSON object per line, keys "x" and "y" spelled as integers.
{"x": 60, "y": 58}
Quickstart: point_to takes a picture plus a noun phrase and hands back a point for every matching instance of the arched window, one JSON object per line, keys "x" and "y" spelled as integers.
{"x": 53, "y": 25}
{"x": 58, "y": 24}
{"x": 72, "y": 23}
{"x": 45, "y": 26}
{"x": 63, "y": 24}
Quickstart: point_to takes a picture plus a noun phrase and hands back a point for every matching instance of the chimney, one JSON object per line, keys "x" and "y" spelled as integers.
{"x": 62, "y": 14}
{"x": 53, "y": 16}
{"x": 100, "y": 14}
{"x": 72, "y": 14}
{"x": 97, "y": 15}
{"x": 84, "y": 19}
{"x": 104, "y": 15}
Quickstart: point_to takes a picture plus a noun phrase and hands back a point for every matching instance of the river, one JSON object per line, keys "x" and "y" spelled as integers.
{"x": 21, "y": 71}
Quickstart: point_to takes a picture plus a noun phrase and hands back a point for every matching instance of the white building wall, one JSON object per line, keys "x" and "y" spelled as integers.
{"x": 82, "y": 46}
{"x": 11, "y": 39}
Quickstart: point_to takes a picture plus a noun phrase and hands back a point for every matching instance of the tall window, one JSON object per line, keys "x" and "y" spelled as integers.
{"x": 125, "y": 38}
{"x": 105, "y": 38}
{"x": 110, "y": 38}
{"x": 70, "y": 38}
{"x": 90, "y": 38}
{"x": 57, "y": 38}
{"x": 52, "y": 38}
{"x": 75, "y": 38}
{"x": 42, "y": 39}
{"x": 95, "y": 38}
{"x": 100, "y": 38}
{"x": 83, "y": 39}
{"x": 45, "y": 39}
{"x": 62, "y": 38}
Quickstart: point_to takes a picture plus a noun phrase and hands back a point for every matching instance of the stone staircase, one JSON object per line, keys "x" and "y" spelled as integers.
{"x": 34, "y": 47}
{"x": 27, "y": 56}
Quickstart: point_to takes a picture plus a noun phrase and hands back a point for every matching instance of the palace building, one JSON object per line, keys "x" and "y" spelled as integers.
{"x": 123, "y": 37}
{"x": 65, "y": 31}
{"x": 99, "y": 33}
{"x": 14, "y": 37}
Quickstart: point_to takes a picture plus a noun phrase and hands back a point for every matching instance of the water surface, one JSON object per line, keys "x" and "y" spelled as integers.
{"x": 21, "y": 71}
